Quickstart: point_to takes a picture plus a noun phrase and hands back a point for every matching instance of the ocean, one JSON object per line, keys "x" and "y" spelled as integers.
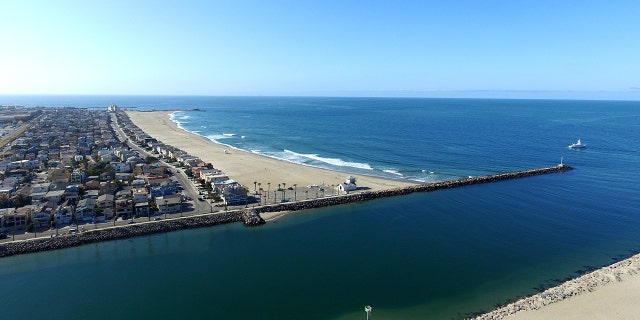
{"x": 440, "y": 255}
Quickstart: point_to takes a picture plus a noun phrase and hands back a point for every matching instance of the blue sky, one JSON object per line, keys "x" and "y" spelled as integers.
{"x": 360, "y": 48}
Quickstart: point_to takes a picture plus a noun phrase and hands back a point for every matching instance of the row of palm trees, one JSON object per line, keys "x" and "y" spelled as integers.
{"x": 257, "y": 187}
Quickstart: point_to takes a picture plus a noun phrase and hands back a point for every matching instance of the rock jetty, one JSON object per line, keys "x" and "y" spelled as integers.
{"x": 250, "y": 217}
{"x": 121, "y": 232}
{"x": 364, "y": 196}
{"x": 589, "y": 282}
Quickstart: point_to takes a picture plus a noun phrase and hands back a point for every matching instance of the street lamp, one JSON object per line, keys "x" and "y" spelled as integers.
{"x": 165, "y": 208}
{"x": 368, "y": 310}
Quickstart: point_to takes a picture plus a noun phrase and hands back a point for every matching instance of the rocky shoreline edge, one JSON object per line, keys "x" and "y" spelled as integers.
{"x": 123, "y": 232}
{"x": 250, "y": 216}
{"x": 588, "y": 282}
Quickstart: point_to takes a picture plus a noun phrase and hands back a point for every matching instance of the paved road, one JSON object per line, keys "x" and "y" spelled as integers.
{"x": 189, "y": 189}
{"x": 190, "y": 208}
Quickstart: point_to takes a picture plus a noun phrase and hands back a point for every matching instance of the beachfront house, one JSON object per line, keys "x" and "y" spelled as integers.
{"x": 11, "y": 220}
{"x": 64, "y": 215}
{"x": 124, "y": 208}
{"x": 348, "y": 185}
{"x": 85, "y": 209}
{"x": 216, "y": 178}
{"x": 169, "y": 204}
{"x": 232, "y": 193}
{"x": 105, "y": 201}
{"x": 40, "y": 218}
{"x": 142, "y": 209}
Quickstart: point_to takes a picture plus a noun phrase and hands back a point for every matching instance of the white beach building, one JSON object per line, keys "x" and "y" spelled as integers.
{"x": 348, "y": 185}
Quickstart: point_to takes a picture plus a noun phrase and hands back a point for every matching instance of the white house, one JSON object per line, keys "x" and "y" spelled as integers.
{"x": 121, "y": 166}
{"x": 348, "y": 185}
{"x": 63, "y": 215}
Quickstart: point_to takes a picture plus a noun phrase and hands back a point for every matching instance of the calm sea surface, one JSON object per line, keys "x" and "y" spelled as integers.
{"x": 435, "y": 255}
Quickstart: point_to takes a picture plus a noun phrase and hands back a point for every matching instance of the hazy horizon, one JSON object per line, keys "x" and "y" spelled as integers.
{"x": 539, "y": 50}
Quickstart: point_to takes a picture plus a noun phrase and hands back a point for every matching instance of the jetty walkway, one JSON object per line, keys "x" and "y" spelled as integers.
{"x": 427, "y": 187}
{"x": 250, "y": 216}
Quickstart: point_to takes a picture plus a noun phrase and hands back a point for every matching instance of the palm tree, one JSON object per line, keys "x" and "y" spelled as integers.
{"x": 284, "y": 190}
{"x": 268, "y": 189}
{"x": 254, "y": 186}
{"x": 261, "y": 197}
{"x": 260, "y": 187}
{"x": 306, "y": 194}
{"x": 295, "y": 190}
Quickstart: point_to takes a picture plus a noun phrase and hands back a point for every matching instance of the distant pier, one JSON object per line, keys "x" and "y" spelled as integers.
{"x": 250, "y": 216}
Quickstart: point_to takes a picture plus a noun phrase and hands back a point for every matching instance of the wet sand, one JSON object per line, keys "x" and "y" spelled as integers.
{"x": 246, "y": 167}
{"x": 611, "y": 292}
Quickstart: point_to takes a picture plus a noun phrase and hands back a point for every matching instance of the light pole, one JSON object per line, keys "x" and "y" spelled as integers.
{"x": 295, "y": 191}
{"x": 165, "y": 208}
{"x": 368, "y": 310}
{"x": 268, "y": 189}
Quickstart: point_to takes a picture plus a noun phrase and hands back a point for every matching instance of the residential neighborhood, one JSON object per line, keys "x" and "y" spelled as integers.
{"x": 71, "y": 166}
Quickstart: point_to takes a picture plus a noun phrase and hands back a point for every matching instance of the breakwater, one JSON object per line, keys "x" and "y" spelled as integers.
{"x": 427, "y": 187}
{"x": 588, "y": 282}
{"x": 250, "y": 217}
{"x": 120, "y": 232}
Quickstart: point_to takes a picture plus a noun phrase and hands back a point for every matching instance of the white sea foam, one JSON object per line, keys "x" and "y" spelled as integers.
{"x": 228, "y": 134}
{"x": 216, "y": 137}
{"x": 331, "y": 161}
{"x": 395, "y": 172}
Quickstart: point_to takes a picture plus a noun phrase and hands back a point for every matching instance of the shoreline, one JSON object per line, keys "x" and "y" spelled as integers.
{"x": 345, "y": 172}
{"x": 246, "y": 167}
{"x": 608, "y": 292}
{"x": 250, "y": 216}
{"x": 160, "y": 126}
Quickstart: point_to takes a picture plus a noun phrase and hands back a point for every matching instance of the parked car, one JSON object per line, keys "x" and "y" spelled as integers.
{"x": 3, "y": 236}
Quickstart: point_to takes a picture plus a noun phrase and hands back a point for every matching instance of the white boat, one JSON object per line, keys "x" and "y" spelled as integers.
{"x": 578, "y": 145}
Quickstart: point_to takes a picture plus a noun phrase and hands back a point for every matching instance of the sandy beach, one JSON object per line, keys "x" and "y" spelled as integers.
{"x": 246, "y": 167}
{"x": 606, "y": 293}
{"x": 611, "y": 292}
